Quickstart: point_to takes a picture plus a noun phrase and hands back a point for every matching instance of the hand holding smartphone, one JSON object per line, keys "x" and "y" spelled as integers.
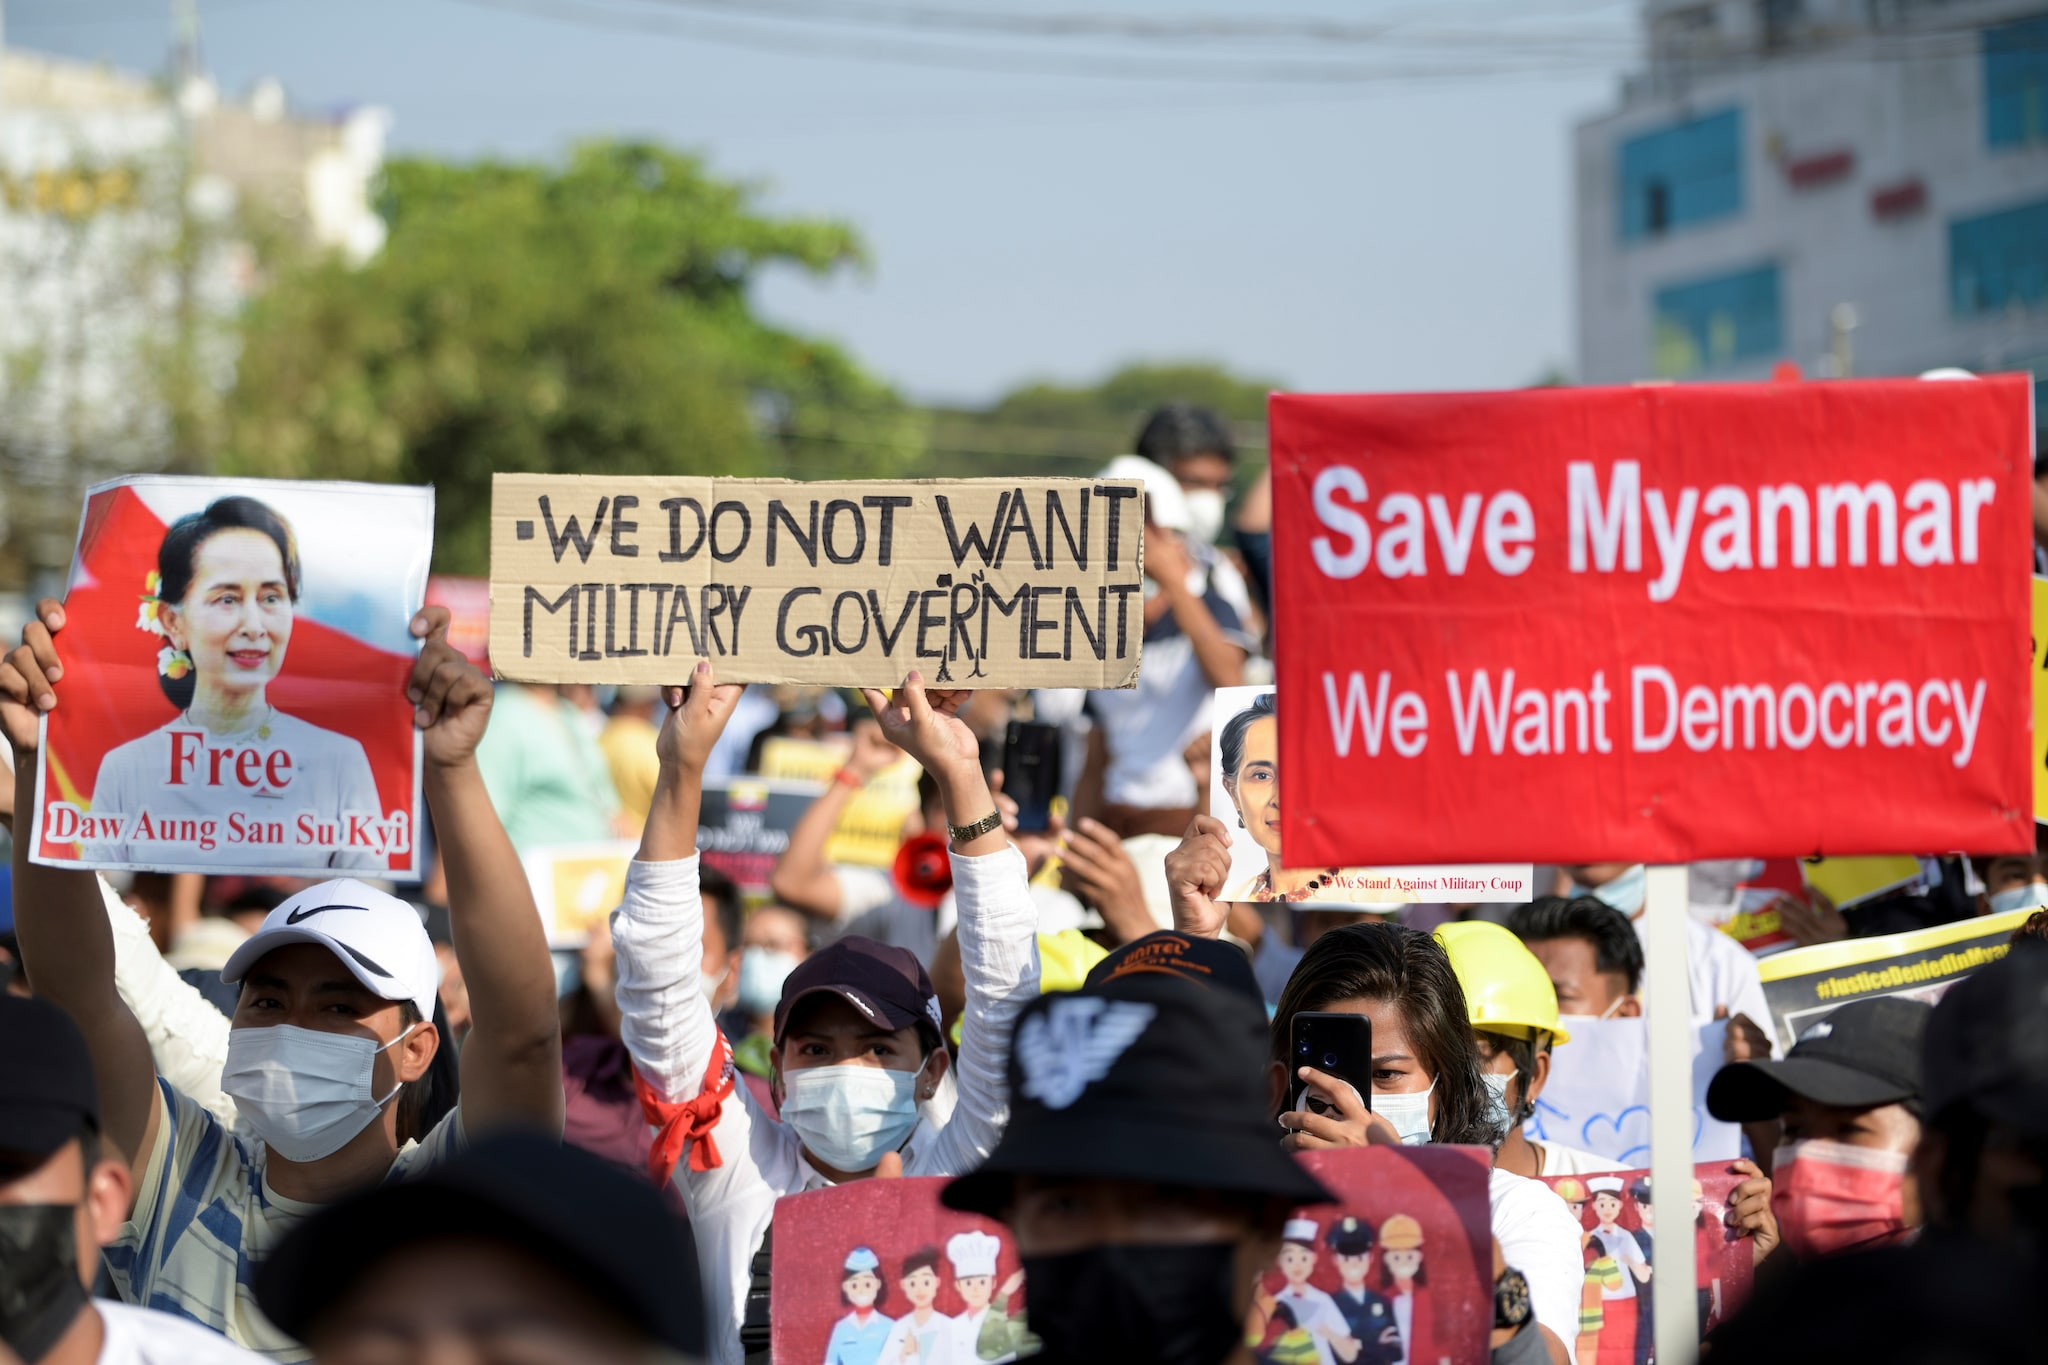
{"x": 1336, "y": 1044}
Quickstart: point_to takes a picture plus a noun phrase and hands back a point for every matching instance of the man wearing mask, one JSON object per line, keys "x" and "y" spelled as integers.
{"x": 1138, "y": 1172}
{"x": 1136, "y": 778}
{"x": 772, "y": 945}
{"x": 1195, "y": 446}
{"x": 63, "y": 1197}
{"x": 2014, "y": 881}
{"x": 1721, "y": 973}
{"x": 1848, "y": 1097}
{"x": 857, "y": 1062}
{"x": 333, "y": 1030}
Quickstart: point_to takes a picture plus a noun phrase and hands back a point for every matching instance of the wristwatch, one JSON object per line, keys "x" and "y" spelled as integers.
{"x": 967, "y": 833}
{"x": 1510, "y": 1299}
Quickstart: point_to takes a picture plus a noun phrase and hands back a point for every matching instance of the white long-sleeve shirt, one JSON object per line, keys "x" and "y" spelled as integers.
{"x": 658, "y": 933}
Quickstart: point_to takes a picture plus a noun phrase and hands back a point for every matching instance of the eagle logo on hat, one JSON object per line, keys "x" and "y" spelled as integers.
{"x": 1073, "y": 1043}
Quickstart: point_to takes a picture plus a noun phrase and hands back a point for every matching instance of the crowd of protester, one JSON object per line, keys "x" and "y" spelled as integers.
{"x": 257, "y": 1117}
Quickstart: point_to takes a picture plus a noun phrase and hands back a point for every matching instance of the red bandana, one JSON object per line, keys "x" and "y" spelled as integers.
{"x": 678, "y": 1123}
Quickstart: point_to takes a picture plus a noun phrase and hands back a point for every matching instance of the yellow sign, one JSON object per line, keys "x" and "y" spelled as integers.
{"x": 870, "y": 829}
{"x": 1850, "y": 881}
{"x": 577, "y": 886}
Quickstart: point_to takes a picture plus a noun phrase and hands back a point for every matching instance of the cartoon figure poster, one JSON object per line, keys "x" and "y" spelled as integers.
{"x": 1398, "y": 1272}
{"x": 1619, "y": 1246}
{"x": 233, "y": 700}
{"x": 879, "y": 1272}
{"x": 1244, "y": 793}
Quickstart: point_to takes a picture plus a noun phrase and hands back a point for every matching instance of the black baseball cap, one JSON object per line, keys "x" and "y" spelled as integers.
{"x": 579, "y": 1215}
{"x": 886, "y": 984}
{"x": 1149, "y": 1078}
{"x": 1864, "y": 1053}
{"x": 48, "y": 1094}
{"x": 1987, "y": 1042}
{"x": 1169, "y": 952}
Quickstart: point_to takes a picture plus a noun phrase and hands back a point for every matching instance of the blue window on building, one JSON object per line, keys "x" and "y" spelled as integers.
{"x": 1680, "y": 176}
{"x": 1999, "y": 261}
{"x": 2016, "y": 83}
{"x": 1705, "y": 325}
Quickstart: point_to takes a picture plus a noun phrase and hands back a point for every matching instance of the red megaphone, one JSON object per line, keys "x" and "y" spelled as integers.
{"x": 923, "y": 871}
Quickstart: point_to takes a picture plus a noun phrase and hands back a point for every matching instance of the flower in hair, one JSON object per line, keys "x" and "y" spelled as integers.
{"x": 146, "y": 617}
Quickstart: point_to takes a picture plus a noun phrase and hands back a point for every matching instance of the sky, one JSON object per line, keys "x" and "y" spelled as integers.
{"x": 1383, "y": 213}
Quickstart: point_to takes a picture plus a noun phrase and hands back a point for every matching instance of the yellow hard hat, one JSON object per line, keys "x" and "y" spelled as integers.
{"x": 1400, "y": 1233}
{"x": 1505, "y": 987}
{"x": 1572, "y": 1190}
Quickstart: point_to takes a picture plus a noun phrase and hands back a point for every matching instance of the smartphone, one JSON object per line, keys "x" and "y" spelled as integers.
{"x": 1338, "y": 1045}
{"x": 1031, "y": 772}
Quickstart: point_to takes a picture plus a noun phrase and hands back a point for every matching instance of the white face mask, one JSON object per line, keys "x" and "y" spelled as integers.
{"x": 762, "y": 972}
{"x": 1611, "y": 1012}
{"x": 1408, "y": 1113}
{"x": 304, "y": 1092}
{"x": 1205, "y": 514}
{"x": 850, "y": 1116}
{"x": 1497, "y": 1111}
{"x": 712, "y": 985}
{"x": 1625, "y": 893}
{"x": 2032, "y": 896}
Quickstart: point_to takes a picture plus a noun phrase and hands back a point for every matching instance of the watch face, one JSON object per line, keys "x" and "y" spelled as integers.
{"x": 1510, "y": 1299}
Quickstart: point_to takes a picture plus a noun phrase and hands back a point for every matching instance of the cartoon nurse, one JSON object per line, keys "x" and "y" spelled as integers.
{"x": 857, "y": 1338}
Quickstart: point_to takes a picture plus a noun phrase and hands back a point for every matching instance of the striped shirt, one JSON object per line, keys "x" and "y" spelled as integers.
{"x": 205, "y": 1218}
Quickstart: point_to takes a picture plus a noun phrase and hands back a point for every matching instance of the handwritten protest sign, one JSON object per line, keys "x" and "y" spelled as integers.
{"x": 577, "y": 886}
{"x": 1244, "y": 793}
{"x": 1649, "y": 605}
{"x": 870, "y": 828}
{"x": 233, "y": 700}
{"x": 878, "y": 1272}
{"x": 1620, "y": 1251}
{"x": 975, "y": 583}
{"x": 1806, "y": 984}
{"x": 1400, "y": 1269}
{"x": 1598, "y": 1096}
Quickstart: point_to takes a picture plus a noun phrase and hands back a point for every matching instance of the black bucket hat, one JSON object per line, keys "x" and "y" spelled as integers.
{"x": 1153, "y": 1079}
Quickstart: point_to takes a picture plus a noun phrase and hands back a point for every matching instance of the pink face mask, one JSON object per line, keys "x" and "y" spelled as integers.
{"x": 1831, "y": 1196}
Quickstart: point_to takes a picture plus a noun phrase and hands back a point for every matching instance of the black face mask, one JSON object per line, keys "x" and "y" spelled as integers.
{"x": 40, "y": 1293}
{"x": 1169, "y": 1304}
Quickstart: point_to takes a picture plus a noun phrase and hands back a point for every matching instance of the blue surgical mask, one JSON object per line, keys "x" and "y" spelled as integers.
{"x": 762, "y": 972}
{"x": 849, "y": 1116}
{"x": 2032, "y": 896}
{"x": 1408, "y": 1113}
{"x": 1625, "y": 893}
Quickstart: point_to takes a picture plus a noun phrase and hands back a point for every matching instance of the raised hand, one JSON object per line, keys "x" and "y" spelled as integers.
{"x": 1103, "y": 875}
{"x": 26, "y": 677}
{"x": 697, "y": 715}
{"x": 925, "y": 724}
{"x": 1195, "y": 873}
{"x": 1749, "y": 1209}
{"x": 872, "y": 754}
{"x": 451, "y": 698}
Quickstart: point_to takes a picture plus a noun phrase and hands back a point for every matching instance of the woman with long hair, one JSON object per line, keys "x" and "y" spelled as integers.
{"x": 231, "y": 778}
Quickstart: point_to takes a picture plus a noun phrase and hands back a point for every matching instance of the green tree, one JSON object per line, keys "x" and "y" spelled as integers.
{"x": 589, "y": 318}
{"x": 1072, "y": 429}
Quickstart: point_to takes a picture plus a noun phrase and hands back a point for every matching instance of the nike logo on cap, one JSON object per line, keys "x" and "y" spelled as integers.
{"x": 295, "y": 916}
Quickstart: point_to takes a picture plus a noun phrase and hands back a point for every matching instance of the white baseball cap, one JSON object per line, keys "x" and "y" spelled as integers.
{"x": 379, "y": 938}
{"x": 1166, "y": 505}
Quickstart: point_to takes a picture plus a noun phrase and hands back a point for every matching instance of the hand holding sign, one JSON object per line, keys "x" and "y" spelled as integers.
{"x": 697, "y": 716}
{"x": 1195, "y": 873}
{"x": 26, "y": 677}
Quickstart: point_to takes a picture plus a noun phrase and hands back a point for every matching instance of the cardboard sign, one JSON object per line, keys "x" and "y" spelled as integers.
{"x": 1399, "y": 1270}
{"x": 1244, "y": 793}
{"x": 1620, "y": 1251}
{"x": 1806, "y": 984}
{"x": 870, "y": 829}
{"x": 235, "y": 656}
{"x": 1598, "y": 1095}
{"x": 577, "y": 886}
{"x": 1659, "y": 624}
{"x": 973, "y": 582}
{"x": 878, "y": 1272}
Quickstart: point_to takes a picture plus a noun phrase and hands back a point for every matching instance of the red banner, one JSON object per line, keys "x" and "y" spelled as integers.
{"x": 1656, "y": 624}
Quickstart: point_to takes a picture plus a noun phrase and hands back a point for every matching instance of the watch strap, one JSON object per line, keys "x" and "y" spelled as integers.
{"x": 968, "y": 833}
